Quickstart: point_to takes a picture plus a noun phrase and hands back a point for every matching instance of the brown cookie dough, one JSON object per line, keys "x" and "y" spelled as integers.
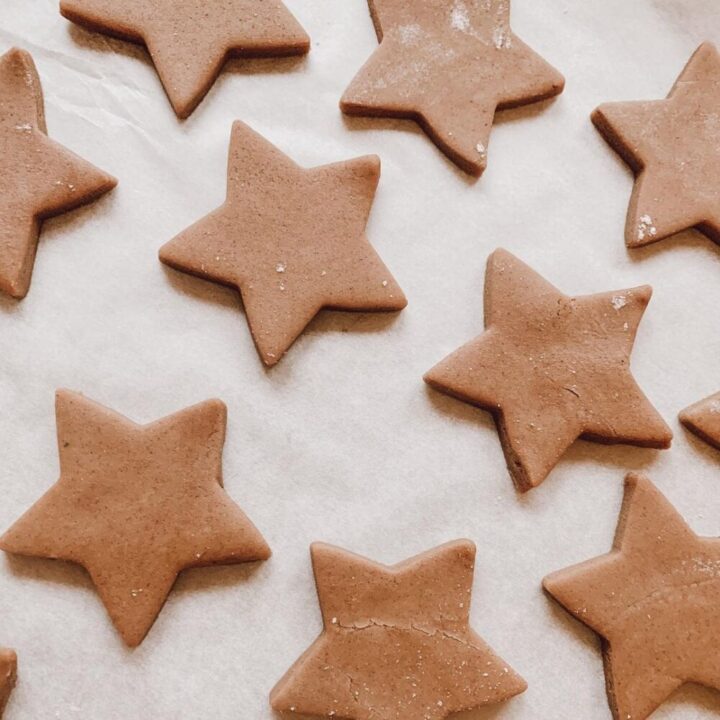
{"x": 38, "y": 177}
{"x": 396, "y": 641}
{"x": 190, "y": 40}
{"x": 449, "y": 65}
{"x": 703, "y": 419}
{"x": 552, "y": 369}
{"x": 673, "y": 147}
{"x": 135, "y": 505}
{"x": 654, "y": 601}
{"x": 291, "y": 240}
{"x": 8, "y": 676}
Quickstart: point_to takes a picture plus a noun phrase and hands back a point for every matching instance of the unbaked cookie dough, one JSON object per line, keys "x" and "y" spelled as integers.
{"x": 38, "y": 177}
{"x": 135, "y": 505}
{"x": 654, "y": 601}
{"x": 552, "y": 369}
{"x": 291, "y": 240}
{"x": 449, "y": 65}
{"x": 8, "y": 676}
{"x": 703, "y": 419}
{"x": 396, "y": 641}
{"x": 190, "y": 40}
{"x": 673, "y": 147}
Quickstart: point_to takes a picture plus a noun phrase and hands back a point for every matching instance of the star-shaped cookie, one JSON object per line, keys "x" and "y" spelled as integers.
{"x": 137, "y": 504}
{"x": 291, "y": 240}
{"x": 653, "y": 600}
{"x": 673, "y": 147}
{"x": 190, "y": 40}
{"x": 552, "y": 369}
{"x": 703, "y": 419}
{"x": 8, "y": 676}
{"x": 38, "y": 177}
{"x": 449, "y": 65}
{"x": 396, "y": 641}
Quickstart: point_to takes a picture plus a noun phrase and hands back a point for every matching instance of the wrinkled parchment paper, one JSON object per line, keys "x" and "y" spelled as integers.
{"x": 342, "y": 442}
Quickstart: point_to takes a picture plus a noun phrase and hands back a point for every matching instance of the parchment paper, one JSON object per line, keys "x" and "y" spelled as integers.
{"x": 342, "y": 442}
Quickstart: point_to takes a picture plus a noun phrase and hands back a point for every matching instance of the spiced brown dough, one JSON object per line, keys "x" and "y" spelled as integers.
{"x": 703, "y": 419}
{"x": 396, "y": 641}
{"x": 449, "y": 65}
{"x": 8, "y": 676}
{"x": 654, "y": 601}
{"x": 137, "y": 504}
{"x": 190, "y": 40}
{"x": 38, "y": 177}
{"x": 552, "y": 369}
{"x": 673, "y": 147}
{"x": 291, "y": 240}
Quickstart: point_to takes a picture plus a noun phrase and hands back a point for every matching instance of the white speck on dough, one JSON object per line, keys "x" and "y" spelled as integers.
{"x": 459, "y": 17}
{"x": 715, "y": 406}
{"x": 619, "y": 302}
{"x": 481, "y": 149}
{"x": 25, "y": 127}
{"x": 409, "y": 33}
{"x": 384, "y": 283}
{"x": 280, "y": 267}
{"x": 502, "y": 38}
{"x": 646, "y": 227}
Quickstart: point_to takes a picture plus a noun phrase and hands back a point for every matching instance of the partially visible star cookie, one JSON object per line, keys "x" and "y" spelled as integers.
{"x": 38, "y": 177}
{"x": 291, "y": 239}
{"x": 137, "y": 504}
{"x": 552, "y": 369}
{"x": 8, "y": 676}
{"x": 703, "y": 419}
{"x": 654, "y": 601}
{"x": 190, "y": 40}
{"x": 396, "y": 641}
{"x": 449, "y": 64}
{"x": 673, "y": 147}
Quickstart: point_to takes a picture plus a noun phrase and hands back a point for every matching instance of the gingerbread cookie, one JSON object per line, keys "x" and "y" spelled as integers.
{"x": 292, "y": 240}
{"x": 673, "y": 147}
{"x": 8, "y": 676}
{"x": 552, "y": 369}
{"x": 449, "y": 65}
{"x": 396, "y": 641}
{"x": 190, "y": 40}
{"x": 135, "y": 505}
{"x": 38, "y": 177}
{"x": 703, "y": 419}
{"x": 653, "y": 600}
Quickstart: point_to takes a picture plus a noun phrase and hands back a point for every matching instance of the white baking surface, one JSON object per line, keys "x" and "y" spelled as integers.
{"x": 342, "y": 442}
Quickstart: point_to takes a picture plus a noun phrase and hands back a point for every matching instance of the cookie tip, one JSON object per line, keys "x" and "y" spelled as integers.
{"x": 635, "y": 479}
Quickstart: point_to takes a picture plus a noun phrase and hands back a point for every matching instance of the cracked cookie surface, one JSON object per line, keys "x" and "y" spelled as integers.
{"x": 653, "y": 599}
{"x": 396, "y": 641}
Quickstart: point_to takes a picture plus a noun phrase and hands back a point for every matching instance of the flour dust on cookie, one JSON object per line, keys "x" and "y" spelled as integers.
{"x": 449, "y": 64}
{"x": 673, "y": 147}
